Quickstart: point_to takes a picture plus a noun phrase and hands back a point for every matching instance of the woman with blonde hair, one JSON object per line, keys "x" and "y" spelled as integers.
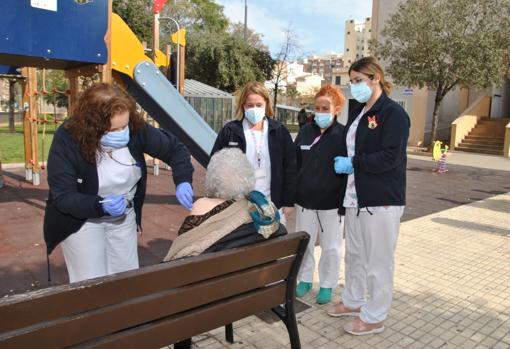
{"x": 375, "y": 162}
{"x": 318, "y": 191}
{"x": 266, "y": 143}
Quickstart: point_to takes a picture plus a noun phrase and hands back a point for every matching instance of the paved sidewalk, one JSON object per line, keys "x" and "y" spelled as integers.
{"x": 493, "y": 162}
{"x": 452, "y": 290}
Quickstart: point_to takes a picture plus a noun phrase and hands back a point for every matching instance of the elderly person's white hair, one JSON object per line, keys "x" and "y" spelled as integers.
{"x": 229, "y": 175}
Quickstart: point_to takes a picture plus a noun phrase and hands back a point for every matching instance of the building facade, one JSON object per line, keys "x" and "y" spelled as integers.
{"x": 419, "y": 103}
{"x": 323, "y": 65}
{"x": 357, "y": 40}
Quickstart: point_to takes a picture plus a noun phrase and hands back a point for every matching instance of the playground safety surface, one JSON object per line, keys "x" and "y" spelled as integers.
{"x": 22, "y": 252}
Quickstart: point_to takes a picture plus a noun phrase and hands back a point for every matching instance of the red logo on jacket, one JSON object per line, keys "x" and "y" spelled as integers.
{"x": 372, "y": 122}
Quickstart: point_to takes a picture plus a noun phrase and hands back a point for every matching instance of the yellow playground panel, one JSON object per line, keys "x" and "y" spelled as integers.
{"x": 127, "y": 50}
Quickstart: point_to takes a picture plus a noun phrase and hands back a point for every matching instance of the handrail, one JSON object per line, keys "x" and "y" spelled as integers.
{"x": 506, "y": 149}
{"x": 468, "y": 119}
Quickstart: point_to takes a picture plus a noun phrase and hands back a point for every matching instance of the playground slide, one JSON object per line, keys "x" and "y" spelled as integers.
{"x": 162, "y": 101}
{"x": 151, "y": 89}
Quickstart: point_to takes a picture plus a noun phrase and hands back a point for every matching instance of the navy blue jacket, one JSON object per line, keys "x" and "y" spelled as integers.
{"x": 318, "y": 186}
{"x": 380, "y": 157}
{"x": 281, "y": 153}
{"x": 74, "y": 182}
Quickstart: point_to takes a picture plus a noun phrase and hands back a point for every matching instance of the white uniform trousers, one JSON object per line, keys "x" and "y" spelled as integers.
{"x": 370, "y": 241}
{"x": 101, "y": 247}
{"x": 327, "y": 225}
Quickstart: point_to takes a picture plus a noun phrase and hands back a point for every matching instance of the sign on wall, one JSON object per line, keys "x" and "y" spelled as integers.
{"x": 407, "y": 92}
{"x": 50, "y": 5}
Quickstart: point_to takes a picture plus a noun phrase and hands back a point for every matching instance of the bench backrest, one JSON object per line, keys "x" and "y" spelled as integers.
{"x": 157, "y": 305}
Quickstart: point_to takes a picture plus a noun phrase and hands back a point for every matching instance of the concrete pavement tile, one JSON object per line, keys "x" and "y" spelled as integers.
{"x": 447, "y": 335}
{"x": 478, "y": 337}
{"x": 406, "y": 331}
{"x": 427, "y": 338}
{"x": 500, "y": 333}
{"x": 500, "y": 345}
{"x": 374, "y": 340}
{"x": 436, "y": 343}
{"x": 385, "y": 344}
{"x": 318, "y": 342}
{"x": 457, "y": 340}
{"x": 417, "y": 334}
{"x": 415, "y": 345}
{"x": 488, "y": 341}
{"x": 467, "y": 332}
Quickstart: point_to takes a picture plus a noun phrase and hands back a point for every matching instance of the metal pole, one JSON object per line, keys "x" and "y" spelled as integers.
{"x": 177, "y": 82}
{"x": 245, "y": 20}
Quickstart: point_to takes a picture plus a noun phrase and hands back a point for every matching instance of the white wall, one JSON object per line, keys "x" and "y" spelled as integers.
{"x": 500, "y": 106}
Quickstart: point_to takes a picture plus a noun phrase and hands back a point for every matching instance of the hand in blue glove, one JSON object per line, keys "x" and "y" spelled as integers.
{"x": 343, "y": 164}
{"x": 114, "y": 205}
{"x": 184, "y": 194}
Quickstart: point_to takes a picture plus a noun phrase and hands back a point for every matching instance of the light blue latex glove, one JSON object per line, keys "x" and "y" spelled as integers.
{"x": 114, "y": 205}
{"x": 343, "y": 164}
{"x": 184, "y": 194}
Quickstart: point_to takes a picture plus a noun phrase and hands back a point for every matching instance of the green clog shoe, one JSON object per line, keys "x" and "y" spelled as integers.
{"x": 324, "y": 296}
{"x": 303, "y": 288}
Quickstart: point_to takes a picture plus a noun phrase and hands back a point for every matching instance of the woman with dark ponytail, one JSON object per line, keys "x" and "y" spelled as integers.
{"x": 375, "y": 161}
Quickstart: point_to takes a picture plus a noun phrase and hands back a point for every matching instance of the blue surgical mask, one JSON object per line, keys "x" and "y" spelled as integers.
{"x": 116, "y": 139}
{"x": 361, "y": 91}
{"x": 323, "y": 120}
{"x": 255, "y": 115}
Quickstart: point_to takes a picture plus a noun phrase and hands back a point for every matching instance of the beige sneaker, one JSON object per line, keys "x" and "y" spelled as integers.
{"x": 339, "y": 310}
{"x": 359, "y": 328}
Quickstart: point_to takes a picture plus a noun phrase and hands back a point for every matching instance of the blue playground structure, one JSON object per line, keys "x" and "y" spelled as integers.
{"x": 71, "y": 35}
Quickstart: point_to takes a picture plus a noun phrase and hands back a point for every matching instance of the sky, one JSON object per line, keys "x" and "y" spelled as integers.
{"x": 318, "y": 24}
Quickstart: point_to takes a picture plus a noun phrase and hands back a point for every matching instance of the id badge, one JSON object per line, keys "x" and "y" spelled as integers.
{"x": 306, "y": 147}
{"x": 260, "y": 172}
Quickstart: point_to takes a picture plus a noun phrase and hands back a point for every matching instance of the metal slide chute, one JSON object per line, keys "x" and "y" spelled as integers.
{"x": 151, "y": 89}
{"x": 162, "y": 101}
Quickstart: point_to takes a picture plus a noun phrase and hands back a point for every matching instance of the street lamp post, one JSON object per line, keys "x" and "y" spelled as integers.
{"x": 177, "y": 82}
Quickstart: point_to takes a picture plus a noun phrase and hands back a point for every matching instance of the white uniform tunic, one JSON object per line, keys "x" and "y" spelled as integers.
{"x": 107, "y": 245}
{"x": 257, "y": 152}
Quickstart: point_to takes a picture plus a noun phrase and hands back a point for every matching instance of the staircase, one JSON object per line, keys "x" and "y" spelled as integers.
{"x": 487, "y": 137}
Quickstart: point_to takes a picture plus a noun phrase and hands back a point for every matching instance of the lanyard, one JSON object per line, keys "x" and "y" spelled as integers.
{"x": 316, "y": 140}
{"x": 258, "y": 146}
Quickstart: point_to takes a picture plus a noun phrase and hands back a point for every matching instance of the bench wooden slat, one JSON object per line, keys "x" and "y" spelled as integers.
{"x": 45, "y": 305}
{"x": 173, "y": 329}
{"x": 106, "y": 320}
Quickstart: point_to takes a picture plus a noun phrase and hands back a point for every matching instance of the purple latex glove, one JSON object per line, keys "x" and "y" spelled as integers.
{"x": 184, "y": 194}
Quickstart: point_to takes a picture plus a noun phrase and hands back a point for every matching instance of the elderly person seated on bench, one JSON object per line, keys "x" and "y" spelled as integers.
{"x": 230, "y": 215}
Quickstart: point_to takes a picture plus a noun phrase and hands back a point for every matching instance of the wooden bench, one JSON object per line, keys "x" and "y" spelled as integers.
{"x": 160, "y": 304}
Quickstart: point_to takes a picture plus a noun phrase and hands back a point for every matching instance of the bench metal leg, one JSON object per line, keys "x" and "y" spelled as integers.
{"x": 288, "y": 315}
{"x": 229, "y": 333}
{"x": 292, "y": 328}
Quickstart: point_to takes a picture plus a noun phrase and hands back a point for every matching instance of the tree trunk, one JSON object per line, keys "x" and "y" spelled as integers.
{"x": 1, "y": 177}
{"x": 275, "y": 99}
{"x": 435, "y": 117}
{"x": 12, "y": 127}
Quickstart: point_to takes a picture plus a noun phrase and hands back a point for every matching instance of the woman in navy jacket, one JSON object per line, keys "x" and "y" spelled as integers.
{"x": 97, "y": 179}
{"x": 375, "y": 137}
{"x": 318, "y": 191}
{"x": 266, "y": 143}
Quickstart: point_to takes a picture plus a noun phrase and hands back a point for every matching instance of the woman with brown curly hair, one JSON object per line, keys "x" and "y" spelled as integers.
{"x": 97, "y": 179}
